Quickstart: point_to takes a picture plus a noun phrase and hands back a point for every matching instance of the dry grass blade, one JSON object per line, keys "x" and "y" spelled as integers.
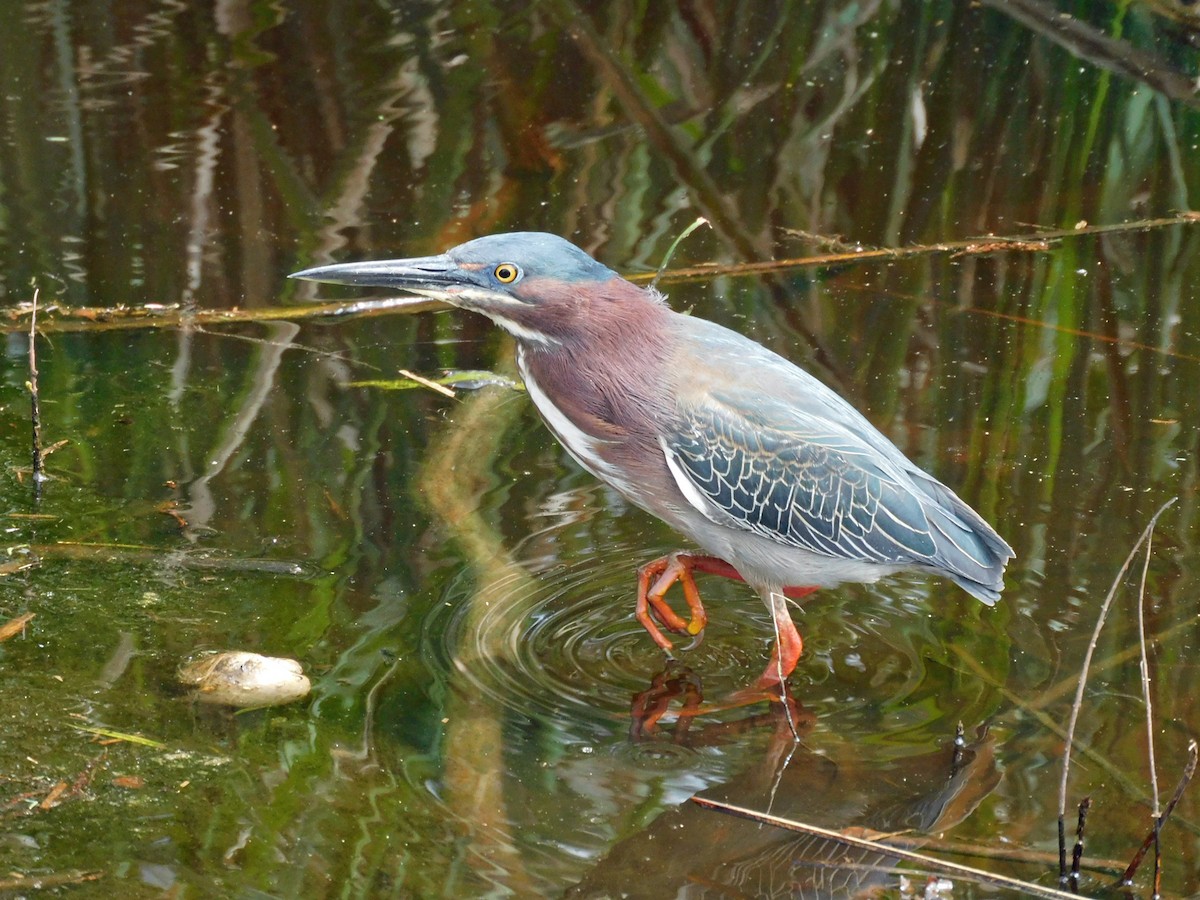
{"x": 121, "y": 736}
{"x": 662, "y": 267}
{"x": 425, "y": 382}
{"x": 878, "y": 846}
{"x": 1077, "y": 704}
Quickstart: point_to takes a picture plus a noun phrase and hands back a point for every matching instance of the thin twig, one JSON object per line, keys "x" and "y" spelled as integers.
{"x": 1156, "y": 811}
{"x": 1021, "y": 855}
{"x": 340, "y": 356}
{"x": 1078, "y": 702}
{"x": 39, "y": 467}
{"x": 931, "y": 862}
{"x": 984, "y": 244}
{"x": 1189, "y": 770}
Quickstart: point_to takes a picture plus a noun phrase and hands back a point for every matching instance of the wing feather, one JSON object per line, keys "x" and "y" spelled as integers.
{"x": 801, "y": 483}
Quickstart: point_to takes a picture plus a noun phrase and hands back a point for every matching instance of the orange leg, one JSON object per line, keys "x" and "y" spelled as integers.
{"x": 788, "y": 646}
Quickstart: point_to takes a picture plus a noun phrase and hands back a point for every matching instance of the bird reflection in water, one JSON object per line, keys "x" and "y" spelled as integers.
{"x": 690, "y": 851}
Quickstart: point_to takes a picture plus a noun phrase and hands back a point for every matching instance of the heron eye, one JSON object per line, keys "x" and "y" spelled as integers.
{"x": 507, "y": 273}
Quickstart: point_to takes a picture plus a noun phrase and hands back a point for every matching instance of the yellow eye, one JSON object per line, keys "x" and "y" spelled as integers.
{"x": 507, "y": 273}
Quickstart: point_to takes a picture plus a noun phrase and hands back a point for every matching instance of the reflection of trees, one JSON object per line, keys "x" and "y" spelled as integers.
{"x": 1093, "y": 45}
{"x": 157, "y": 153}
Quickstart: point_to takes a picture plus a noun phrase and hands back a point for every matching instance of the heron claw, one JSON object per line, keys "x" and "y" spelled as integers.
{"x": 696, "y": 641}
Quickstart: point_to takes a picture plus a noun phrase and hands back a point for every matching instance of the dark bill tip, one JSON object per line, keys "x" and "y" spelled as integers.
{"x": 426, "y": 272}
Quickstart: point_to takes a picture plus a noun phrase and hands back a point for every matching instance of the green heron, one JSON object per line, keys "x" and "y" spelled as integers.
{"x": 776, "y": 477}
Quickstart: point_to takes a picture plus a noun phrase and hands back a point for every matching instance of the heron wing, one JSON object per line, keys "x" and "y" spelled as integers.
{"x": 801, "y": 480}
{"x": 758, "y": 444}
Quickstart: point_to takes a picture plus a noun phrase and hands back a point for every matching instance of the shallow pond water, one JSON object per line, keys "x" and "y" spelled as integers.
{"x": 459, "y": 592}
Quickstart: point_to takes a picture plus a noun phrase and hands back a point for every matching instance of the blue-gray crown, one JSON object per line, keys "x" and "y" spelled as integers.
{"x": 537, "y": 253}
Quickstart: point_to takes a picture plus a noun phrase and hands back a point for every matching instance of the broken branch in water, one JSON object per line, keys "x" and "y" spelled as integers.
{"x": 986, "y": 244}
{"x": 159, "y": 315}
{"x": 1189, "y": 770}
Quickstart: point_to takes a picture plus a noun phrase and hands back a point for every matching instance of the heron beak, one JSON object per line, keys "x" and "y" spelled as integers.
{"x": 429, "y": 276}
{"x": 464, "y": 285}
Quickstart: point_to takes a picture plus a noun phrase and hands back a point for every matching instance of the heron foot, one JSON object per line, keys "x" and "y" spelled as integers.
{"x": 649, "y": 706}
{"x": 655, "y": 579}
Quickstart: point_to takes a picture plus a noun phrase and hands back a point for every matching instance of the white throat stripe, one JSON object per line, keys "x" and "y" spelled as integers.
{"x": 581, "y": 446}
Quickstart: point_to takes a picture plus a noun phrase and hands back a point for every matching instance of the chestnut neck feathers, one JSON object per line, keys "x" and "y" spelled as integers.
{"x": 602, "y": 364}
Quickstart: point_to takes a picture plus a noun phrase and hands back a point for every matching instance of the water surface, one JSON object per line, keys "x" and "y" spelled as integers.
{"x": 459, "y": 591}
